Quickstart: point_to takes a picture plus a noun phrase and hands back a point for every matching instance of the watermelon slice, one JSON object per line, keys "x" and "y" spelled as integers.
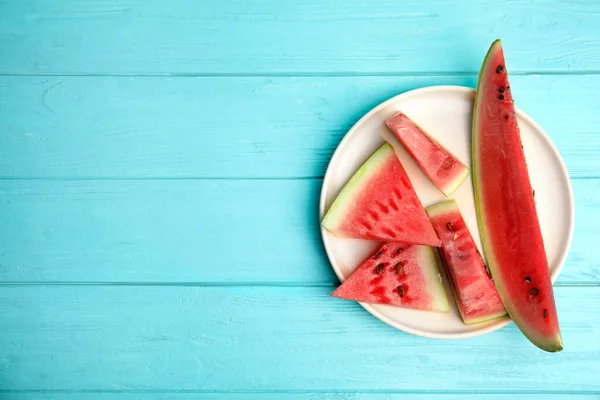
{"x": 508, "y": 221}
{"x": 379, "y": 203}
{"x": 398, "y": 275}
{"x": 474, "y": 291}
{"x": 441, "y": 167}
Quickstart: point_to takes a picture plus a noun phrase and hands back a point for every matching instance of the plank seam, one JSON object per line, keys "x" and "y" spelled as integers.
{"x": 198, "y": 178}
{"x": 298, "y": 391}
{"x": 223, "y": 284}
{"x": 274, "y": 74}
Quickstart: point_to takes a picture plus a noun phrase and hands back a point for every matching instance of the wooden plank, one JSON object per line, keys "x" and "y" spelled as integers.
{"x": 223, "y": 231}
{"x": 314, "y": 36}
{"x": 266, "y": 338}
{"x": 145, "y": 395}
{"x": 82, "y": 127}
{"x": 171, "y": 231}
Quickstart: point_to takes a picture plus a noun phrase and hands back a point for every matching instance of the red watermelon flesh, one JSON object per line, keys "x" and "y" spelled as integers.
{"x": 474, "y": 291}
{"x": 379, "y": 203}
{"x": 506, "y": 211}
{"x": 441, "y": 167}
{"x": 398, "y": 275}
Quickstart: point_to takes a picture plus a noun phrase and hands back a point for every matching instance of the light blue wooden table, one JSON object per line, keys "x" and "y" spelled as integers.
{"x": 160, "y": 167}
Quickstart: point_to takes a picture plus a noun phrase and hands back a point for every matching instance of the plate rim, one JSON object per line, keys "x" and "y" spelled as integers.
{"x": 501, "y": 322}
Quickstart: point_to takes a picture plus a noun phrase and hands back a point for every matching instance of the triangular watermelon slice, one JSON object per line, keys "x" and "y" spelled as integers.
{"x": 441, "y": 167}
{"x": 379, "y": 203}
{"x": 398, "y": 275}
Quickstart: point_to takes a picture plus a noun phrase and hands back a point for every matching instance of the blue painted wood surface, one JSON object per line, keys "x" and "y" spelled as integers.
{"x": 160, "y": 167}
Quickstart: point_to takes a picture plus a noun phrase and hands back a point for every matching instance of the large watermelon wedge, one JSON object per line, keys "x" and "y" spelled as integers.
{"x": 441, "y": 167}
{"x": 506, "y": 212}
{"x": 475, "y": 294}
{"x": 398, "y": 275}
{"x": 379, "y": 203}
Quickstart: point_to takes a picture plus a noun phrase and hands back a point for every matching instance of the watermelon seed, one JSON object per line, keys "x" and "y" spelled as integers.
{"x": 450, "y": 226}
{"x": 533, "y": 192}
{"x": 501, "y": 89}
{"x": 501, "y": 97}
{"x": 448, "y": 163}
{"x": 379, "y": 269}
{"x": 488, "y": 272}
{"x": 399, "y": 250}
{"x": 455, "y": 236}
{"x": 527, "y": 279}
{"x": 506, "y": 116}
{"x": 399, "y": 267}
{"x": 376, "y": 256}
{"x": 401, "y": 290}
{"x": 499, "y": 69}
{"x": 534, "y": 291}
{"x": 545, "y": 313}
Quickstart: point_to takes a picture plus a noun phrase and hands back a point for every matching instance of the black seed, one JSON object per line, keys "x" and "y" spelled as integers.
{"x": 448, "y": 163}
{"x": 501, "y": 89}
{"x": 500, "y": 97}
{"x": 376, "y": 256}
{"x": 534, "y": 291}
{"x": 399, "y": 267}
{"x": 401, "y": 290}
{"x": 379, "y": 269}
{"x": 499, "y": 69}
{"x": 527, "y": 279}
{"x": 399, "y": 250}
{"x": 450, "y": 226}
{"x": 508, "y": 87}
{"x": 545, "y": 313}
{"x": 488, "y": 272}
{"x": 533, "y": 191}
{"x": 506, "y": 116}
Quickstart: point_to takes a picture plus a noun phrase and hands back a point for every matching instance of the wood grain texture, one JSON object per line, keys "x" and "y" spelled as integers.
{"x": 160, "y": 168}
{"x": 82, "y": 127}
{"x": 310, "y": 36}
{"x": 261, "y": 339}
{"x": 187, "y": 231}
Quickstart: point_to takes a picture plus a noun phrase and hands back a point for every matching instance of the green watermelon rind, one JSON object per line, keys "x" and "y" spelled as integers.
{"x": 553, "y": 344}
{"x": 442, "y": 208}
{"x": 433, "y": 278}
{"x": 454, "y": 184}
{"x": 354, "y": 186}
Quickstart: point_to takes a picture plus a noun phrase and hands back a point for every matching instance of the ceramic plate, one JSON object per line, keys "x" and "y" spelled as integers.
{"x": 445, "y": 112}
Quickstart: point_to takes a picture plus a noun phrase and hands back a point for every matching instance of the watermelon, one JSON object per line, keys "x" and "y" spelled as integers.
{"x": 379, "y": 203}
{"x": 506, "y": 213}
{"x": 398, "y": 275}
{"x": 474, "y": 291}
{"x": 441, "y": 167}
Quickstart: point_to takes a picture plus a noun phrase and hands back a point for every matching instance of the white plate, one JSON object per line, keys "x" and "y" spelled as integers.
{"x": 445, "y": 112}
